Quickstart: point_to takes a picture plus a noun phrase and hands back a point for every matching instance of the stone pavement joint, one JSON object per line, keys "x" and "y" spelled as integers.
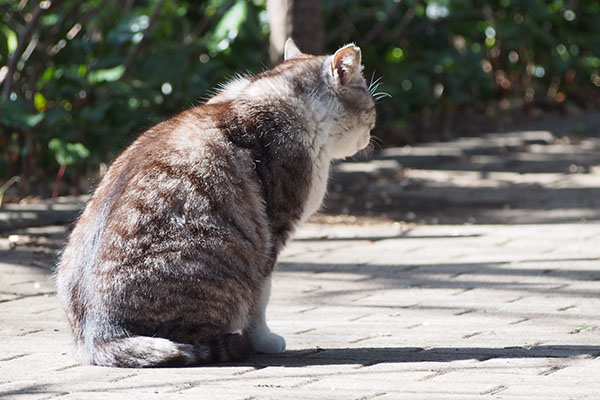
{"x": 370, "y": 309}
{"x": 401, "y": 332}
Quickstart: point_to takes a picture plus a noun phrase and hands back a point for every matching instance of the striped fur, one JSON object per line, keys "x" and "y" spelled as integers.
{"x": 170, "y": 262}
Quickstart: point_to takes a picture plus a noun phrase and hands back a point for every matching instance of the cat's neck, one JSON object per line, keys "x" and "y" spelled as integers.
{"x": 290, "y": 153}
{"x": 284, "y": 98}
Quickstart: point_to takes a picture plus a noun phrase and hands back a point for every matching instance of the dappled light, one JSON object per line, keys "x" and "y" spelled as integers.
{"x": 455, "y": 255}
{"x": 80, "y": 80}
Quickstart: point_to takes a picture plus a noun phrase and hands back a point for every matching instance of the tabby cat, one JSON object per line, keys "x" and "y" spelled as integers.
{"x": 170, "y": 263}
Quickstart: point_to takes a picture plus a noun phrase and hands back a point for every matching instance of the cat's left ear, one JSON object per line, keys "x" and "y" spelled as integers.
{"x": 345, "y": 64}
{"x": 290, "y": 50}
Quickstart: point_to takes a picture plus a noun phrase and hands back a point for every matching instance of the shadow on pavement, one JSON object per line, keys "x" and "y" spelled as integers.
{"x": 519, "y": 177}
{"x": 404, "y": 235}
{"x": 378, "y": 355}
{"x": 497, "y": 276}
{"x": 33, "y": 247}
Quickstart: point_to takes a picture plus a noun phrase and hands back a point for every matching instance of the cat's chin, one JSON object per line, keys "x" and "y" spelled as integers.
{"x": 351, "y": 148}
{"x": 363, "y": 142}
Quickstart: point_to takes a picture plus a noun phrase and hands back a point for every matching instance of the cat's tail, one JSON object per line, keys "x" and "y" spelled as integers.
{"x": 145, "y": 351}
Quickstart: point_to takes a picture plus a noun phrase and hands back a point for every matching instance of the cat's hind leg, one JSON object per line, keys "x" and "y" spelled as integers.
{"x": 263, "y": 340}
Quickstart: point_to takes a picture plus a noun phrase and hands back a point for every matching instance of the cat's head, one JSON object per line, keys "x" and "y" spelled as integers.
{"x": 341, "y": 97}
{"x": 329, "y": 91}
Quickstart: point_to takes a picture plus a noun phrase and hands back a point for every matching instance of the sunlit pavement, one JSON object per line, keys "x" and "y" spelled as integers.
{"x": 494, "y": 293}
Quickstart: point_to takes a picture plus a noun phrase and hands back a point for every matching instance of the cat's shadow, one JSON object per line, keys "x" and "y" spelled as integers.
{"x": 377, "y": 355}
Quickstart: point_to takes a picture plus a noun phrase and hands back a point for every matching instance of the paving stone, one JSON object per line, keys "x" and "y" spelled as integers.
{"x": 376, "y": 309}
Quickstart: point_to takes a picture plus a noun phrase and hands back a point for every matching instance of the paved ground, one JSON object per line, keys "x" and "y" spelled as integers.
{"x": 458, "y": 280}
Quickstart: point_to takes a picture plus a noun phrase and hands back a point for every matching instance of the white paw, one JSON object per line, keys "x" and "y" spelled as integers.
{"x": 269, "y": 343}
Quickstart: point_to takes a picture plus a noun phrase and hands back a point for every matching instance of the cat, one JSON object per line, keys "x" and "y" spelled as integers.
{"x": 170, "y": 262}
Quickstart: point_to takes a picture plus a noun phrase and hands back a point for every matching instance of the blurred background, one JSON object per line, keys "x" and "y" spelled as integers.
{"x": 80, "y": 79}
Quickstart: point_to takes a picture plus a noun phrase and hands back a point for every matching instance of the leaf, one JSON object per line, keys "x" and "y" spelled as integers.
{"x": 11, "y": 38}
{"x": 78, "y": 149}
{"x": 15, "y": 114}
{"x": 96, "y": 113}
{"x": 106, "y": 75}
{"x": 67, "y": 153}
{"x": 56, "y": 146}
{"x": 55, "y": 117}
{"x": 40, "y": 102}
{"x": 229, "y": 27}
{"x": 47, "y": 75}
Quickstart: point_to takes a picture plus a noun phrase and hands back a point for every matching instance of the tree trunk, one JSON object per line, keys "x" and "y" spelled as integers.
{"x": 299, "y": 19}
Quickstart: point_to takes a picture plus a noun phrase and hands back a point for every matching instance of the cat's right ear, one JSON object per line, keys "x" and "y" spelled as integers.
{"x": 290, "y": 50}
{"x": 346, "y": 64}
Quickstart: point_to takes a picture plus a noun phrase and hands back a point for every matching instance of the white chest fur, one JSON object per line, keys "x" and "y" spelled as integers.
{"x": 319, "y": 177}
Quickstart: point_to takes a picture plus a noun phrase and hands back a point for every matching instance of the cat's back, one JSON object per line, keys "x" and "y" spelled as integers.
{"x": 179, "y": 193}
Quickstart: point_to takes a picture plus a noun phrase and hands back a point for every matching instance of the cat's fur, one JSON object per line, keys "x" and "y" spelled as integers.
{"x": 170, "y": 263}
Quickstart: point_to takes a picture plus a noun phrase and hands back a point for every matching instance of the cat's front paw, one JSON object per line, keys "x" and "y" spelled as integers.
{"x": 270, "y": 343}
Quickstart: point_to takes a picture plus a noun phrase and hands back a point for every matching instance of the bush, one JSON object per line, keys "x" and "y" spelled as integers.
{"x": 89, "y": 75}
{"x": 99, "y": 74}
{"x": 441, "y": 57}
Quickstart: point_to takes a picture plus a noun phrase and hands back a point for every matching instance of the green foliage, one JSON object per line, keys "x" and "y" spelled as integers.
{"x": 15, "y": 114}
{"x": 67, "y": 153}
{"x": 98, "y": 72}
{"x": 441, "y": 57}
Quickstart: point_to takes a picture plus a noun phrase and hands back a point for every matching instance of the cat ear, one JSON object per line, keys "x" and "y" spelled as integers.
{"x": 345, "y": 64}
{"x": 290, "y": 50}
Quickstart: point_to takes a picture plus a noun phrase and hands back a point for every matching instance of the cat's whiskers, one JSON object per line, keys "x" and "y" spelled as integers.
{"x": 372, "y": 81}
{"x": 373, "y": 90}
{"x": 380, "y": 95}
{"x": 363, "y": 154}
{"x": 374, "y": 85}
{"x": 375, "y": 143}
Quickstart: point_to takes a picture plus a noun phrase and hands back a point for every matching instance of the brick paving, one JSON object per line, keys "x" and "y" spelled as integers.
{"x": 374, "y": 309}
